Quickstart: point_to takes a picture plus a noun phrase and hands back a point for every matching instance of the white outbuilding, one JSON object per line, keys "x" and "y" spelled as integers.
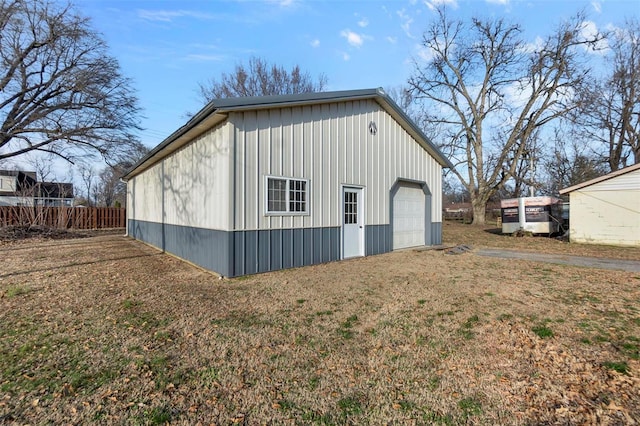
{"x": 606, "y": 210}
{"x": 259, "y": 184}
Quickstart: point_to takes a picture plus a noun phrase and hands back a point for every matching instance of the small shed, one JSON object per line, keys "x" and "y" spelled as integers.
{"x": 606, "y": 210}
{"x": 259, "y": 184}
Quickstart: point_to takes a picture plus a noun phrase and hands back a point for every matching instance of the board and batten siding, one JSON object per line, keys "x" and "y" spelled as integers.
{"x": 607, "y": 212}
{"x": 181, "y": 204}
{"x": 191, "y": 187}
{"x": 330, "y": 146}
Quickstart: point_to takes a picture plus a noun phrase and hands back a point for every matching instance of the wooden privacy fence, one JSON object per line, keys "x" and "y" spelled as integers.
{"x": 64, "y": 217}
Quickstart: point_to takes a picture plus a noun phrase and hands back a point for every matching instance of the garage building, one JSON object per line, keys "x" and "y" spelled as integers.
{"x": 606, "y": 210}
{"x": 258, "y": 184}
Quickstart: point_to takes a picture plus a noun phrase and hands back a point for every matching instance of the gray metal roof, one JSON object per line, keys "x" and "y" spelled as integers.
{"x": 222, "y": 106}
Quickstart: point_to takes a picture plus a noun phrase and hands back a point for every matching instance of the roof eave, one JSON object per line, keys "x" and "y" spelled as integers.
{"x": 399, "y": 115}
{"x": 212, "y": 115}
{"x": 599, "y": 179}
{"x": 193, "y": 128}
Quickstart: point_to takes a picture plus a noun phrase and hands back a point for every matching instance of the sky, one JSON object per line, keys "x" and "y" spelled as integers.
{"x": 168, "y": 47}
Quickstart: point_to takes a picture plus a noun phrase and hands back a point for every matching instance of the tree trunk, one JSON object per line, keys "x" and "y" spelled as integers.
{"x": 479, "y": 211}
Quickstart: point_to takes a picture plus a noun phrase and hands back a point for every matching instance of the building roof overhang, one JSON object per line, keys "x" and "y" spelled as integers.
{"x": 600, "y": 179}
{"x": 218, "y": 110}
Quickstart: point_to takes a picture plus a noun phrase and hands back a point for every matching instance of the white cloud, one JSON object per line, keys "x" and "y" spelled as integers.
{"x": 503, "y": 2}
{"x": 533, "y": 47}
{"x": 434, "y": 4}
{"x": 170, "y": 15}
{"x": 424, "y": 53}
{"x": 345, "y": 56}
{"x": 204, "y": 57}
{"x": 589, "y": 31}
{"x": 315, "y": 43}
{"x": 517, "y": 94}
{"x": 392, "y": 40}
{"x": 203, "y": 46}
{"x": 363, "y": 22}
{"x": 406, "y": 21}
{"x": 354, "y": 39}
{"x": 282, "y": 3}
{"x": 596, "y": 6}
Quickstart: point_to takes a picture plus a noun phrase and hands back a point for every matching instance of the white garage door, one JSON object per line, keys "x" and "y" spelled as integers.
{"x": 408, "y": 216}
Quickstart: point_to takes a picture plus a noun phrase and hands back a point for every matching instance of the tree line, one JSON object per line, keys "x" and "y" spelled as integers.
{"x": 517, "y": 118}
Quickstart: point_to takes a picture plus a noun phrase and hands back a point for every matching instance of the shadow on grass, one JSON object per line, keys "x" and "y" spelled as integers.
{"x": 496, "y": 231}
{"x": 68, "y": 265}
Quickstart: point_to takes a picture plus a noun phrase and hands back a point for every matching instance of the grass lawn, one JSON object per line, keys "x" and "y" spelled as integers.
{"x": 107, "y": 330}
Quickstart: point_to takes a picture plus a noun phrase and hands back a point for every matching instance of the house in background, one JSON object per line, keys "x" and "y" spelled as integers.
{"x": 21, "y": 188}
{"x": 53, "y": 194}
{"x": 16, "y": 187}
{"x": 457, "y": 211}
{"x": 258, "y": 184}
{"x": 606, "y": 210}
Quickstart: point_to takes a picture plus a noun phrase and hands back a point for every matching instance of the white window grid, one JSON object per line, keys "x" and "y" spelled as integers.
{"x": 350, "y": 207}
{"x": 287, "y": 196}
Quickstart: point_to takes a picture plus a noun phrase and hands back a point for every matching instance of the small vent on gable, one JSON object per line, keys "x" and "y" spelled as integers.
{"x": 373, "y": 128}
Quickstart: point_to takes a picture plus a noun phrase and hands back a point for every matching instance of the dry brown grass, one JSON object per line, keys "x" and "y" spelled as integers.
{"x": 490, "y": 236}
{"x": 108, "y": 330}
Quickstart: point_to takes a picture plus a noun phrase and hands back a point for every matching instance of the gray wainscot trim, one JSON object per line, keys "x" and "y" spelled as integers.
{"x": 271, "y": 250}
{"x": 377, "y": 239}
{"x": 436, "y": 233}
{"x": 239, "y": 253}
{"x": 208, "y": 248}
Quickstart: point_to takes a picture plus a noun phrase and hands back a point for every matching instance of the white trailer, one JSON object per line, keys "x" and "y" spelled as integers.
{"x": 538, "y": 215}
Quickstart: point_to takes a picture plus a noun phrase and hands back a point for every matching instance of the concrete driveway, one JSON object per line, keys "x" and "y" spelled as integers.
{"x": 589, "y": 262}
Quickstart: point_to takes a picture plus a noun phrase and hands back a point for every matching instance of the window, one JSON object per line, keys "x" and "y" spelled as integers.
{"x": 286, "y": 195}
{"x": 350, "y": 207}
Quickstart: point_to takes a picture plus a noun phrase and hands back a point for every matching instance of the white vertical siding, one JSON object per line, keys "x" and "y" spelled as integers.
{"x": 607, "y": 212}
{"x": 330, "y": 145}
{"x": 191, "y": 187}
{"x": 145, "y": 201}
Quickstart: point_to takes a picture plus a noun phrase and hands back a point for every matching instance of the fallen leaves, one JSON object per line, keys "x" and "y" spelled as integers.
{"x": 248, "y": 352}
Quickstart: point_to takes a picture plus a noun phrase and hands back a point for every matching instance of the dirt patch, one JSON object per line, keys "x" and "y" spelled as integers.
{"x": 109, "y": 330}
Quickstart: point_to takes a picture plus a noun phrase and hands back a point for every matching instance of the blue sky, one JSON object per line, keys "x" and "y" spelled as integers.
{"x": 168, "y": 47}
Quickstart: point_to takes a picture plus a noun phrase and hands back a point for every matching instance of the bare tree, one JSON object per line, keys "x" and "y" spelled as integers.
{"x": 260, "y": 78}
{"x": 60, "y": 91}
{"x": 489, "y": 93}
{"x": 43, "y": 166}
{"x": 110, "y": 190}
{"x": 610, "y": 107}
{"x": 570, "y": 163}
{"x": 525, "y": 180}
{"x": 88, "y": 177}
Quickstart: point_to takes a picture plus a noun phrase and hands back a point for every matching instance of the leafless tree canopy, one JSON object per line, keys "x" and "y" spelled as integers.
{"x": 60, "y": 91}
{"x": 261, "y": 79}
{"x": 489, "y": 94}
{"x": 610, "y": 107}
{"x": 110, "y": 190}
{"x": 569, "y": 162}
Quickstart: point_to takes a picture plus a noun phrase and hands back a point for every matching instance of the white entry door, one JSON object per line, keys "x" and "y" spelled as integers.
{"x": 352, "y": 223}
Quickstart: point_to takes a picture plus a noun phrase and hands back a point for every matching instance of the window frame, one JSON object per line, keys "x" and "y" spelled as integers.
{"x": 288, "y": 200}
